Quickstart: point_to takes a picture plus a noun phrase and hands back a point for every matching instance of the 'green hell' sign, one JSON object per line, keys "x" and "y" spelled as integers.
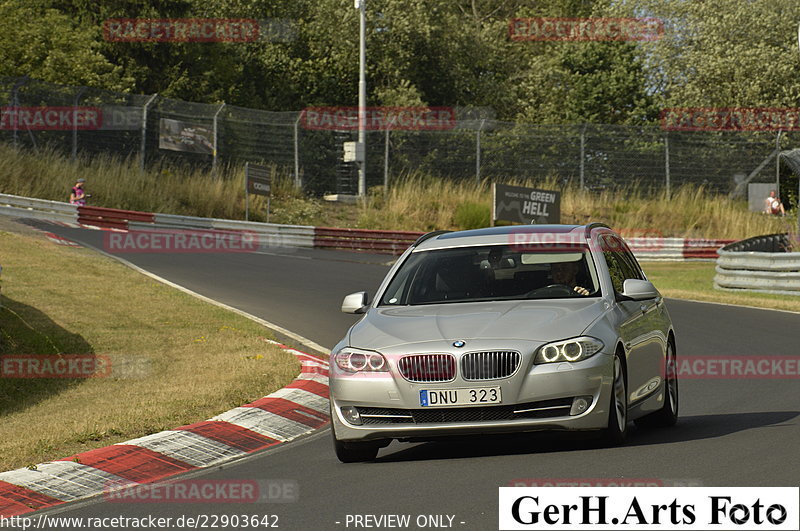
{"x": 526, "y": 205}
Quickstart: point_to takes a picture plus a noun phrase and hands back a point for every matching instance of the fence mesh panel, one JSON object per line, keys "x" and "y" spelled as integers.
{"x": 160, "y": 131}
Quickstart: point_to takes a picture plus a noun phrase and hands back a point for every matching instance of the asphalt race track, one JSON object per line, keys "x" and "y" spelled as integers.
{"x": 737, "y": 432}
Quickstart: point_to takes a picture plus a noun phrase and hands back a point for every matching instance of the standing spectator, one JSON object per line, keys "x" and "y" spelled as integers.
{"x": 78, "y": 194}
{"x": 773, "y": 205}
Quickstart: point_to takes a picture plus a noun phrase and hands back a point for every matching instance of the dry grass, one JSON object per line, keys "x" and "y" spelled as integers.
{"x": 120, "y": 183}
{"x": 194, "y": 360}
{"x": 414, "y": 202}
{"x": 420, "y": 203}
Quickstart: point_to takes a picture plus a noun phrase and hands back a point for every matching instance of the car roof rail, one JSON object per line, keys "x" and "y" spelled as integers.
{"x": 429, "y": 235}
{"x": 595, "y": 225}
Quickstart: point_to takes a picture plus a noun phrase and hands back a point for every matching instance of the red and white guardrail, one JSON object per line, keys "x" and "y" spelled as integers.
{"x": 277, "y": 235}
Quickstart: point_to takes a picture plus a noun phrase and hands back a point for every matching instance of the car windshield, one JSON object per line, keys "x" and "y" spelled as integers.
{"x": 497, "y": 272}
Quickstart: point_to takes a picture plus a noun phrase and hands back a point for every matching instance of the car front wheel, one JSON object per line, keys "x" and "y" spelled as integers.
{"x": 617, "y": 429}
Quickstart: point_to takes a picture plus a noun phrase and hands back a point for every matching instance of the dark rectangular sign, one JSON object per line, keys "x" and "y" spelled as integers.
{"x": 258, "y": 179}
{"x": 526, "y": 205}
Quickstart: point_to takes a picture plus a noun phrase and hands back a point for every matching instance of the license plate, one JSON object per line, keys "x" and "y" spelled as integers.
{"x": 459, "y": 397}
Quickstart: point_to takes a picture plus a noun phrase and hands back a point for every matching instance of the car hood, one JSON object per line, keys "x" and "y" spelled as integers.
{"x": 526, "y": 320}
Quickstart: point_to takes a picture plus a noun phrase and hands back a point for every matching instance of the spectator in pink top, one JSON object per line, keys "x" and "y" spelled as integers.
{"x": 78, "y": 194}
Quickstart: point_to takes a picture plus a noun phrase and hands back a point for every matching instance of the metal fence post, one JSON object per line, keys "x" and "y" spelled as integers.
{"x": 246, "y": 193}
{"x": 216, "y": 138}
{"x": 143, "y": 149}
{"x": 666, "y": 164}
{"x": 15, "y": 105}
{"x": 75, "y": 122}
{"x": 478, "y": 153}
{"x": 297, "y": 182}
{"x": 386, "y": 163}
{"x": 778, "y": 163}
{"x": 583, "y": 155}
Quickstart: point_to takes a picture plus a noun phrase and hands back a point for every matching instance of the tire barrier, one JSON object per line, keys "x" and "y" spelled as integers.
{"x": 762, "y": 264}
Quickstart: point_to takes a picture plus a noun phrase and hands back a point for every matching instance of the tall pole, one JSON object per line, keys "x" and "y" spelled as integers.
{"x": 583, "y": 156}
{"x": 297, "y": 183}
{"x": 778, "y": 163}
{"x": 143, "y": 148}
{"x": 666, "y": 164}
{"x": 216, "y": 137}
{"x": 75, "y": 122}
{"x": 386, "y": 163}
{"x": 15, "y": 105}
{"x": 361, "y": 5}
{"x": 478, "y": 153}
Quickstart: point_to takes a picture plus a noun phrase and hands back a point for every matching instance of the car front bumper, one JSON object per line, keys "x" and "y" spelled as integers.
{"x": 537, "y": 387}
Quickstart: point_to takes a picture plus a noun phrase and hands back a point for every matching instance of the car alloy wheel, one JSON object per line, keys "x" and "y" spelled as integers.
{"x": 617, "y": 428}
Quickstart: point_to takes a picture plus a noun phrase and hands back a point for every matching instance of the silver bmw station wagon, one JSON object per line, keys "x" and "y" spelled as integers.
{"x": 504, "y": 329}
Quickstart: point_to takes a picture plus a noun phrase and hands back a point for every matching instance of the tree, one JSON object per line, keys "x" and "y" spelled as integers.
{"x": 46, "y": 44}
{"x": 721, "y": 53}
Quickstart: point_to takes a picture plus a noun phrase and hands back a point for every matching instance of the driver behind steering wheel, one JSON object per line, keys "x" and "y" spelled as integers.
{"x": 566, "y": 273}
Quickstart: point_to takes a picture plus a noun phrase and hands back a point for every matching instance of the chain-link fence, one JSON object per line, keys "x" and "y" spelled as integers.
{"x": 161, "y": 131}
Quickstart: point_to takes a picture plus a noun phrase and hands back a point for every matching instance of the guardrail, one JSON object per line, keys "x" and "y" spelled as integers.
{"x": 276, "y": 235}
{"x": 648, "y": 248}
{"x": 28, "y": 207}
{"x": 759, "y": 264}
{"x": 364, "y": 240}
{"x": 111, "y": 217}
{"x": 267, "y": 235}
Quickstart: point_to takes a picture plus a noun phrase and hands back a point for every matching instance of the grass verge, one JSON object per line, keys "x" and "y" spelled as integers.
{"x": 695, "y": 281}
{"x": 413, "y": 202}
{"x": 175, "y": 360}
{"x": 423, "y": 203}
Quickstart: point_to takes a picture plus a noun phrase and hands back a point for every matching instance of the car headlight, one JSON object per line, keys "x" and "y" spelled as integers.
{"x": 354, "y": 360}
{"x": 571, "y": 350}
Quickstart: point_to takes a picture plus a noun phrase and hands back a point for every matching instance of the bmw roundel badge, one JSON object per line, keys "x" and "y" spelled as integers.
{"x": 458, "y": 344}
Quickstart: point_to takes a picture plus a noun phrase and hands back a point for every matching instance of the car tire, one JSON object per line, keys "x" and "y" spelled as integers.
{"x": 668, "y": 414}
{"x": 355, "y": 452}
{"x": 617, "y": 430}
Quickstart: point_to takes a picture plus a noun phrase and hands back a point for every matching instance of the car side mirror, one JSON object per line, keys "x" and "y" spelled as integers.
{"x": 639, "y": 290}
{"x": 355, "y": 302}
